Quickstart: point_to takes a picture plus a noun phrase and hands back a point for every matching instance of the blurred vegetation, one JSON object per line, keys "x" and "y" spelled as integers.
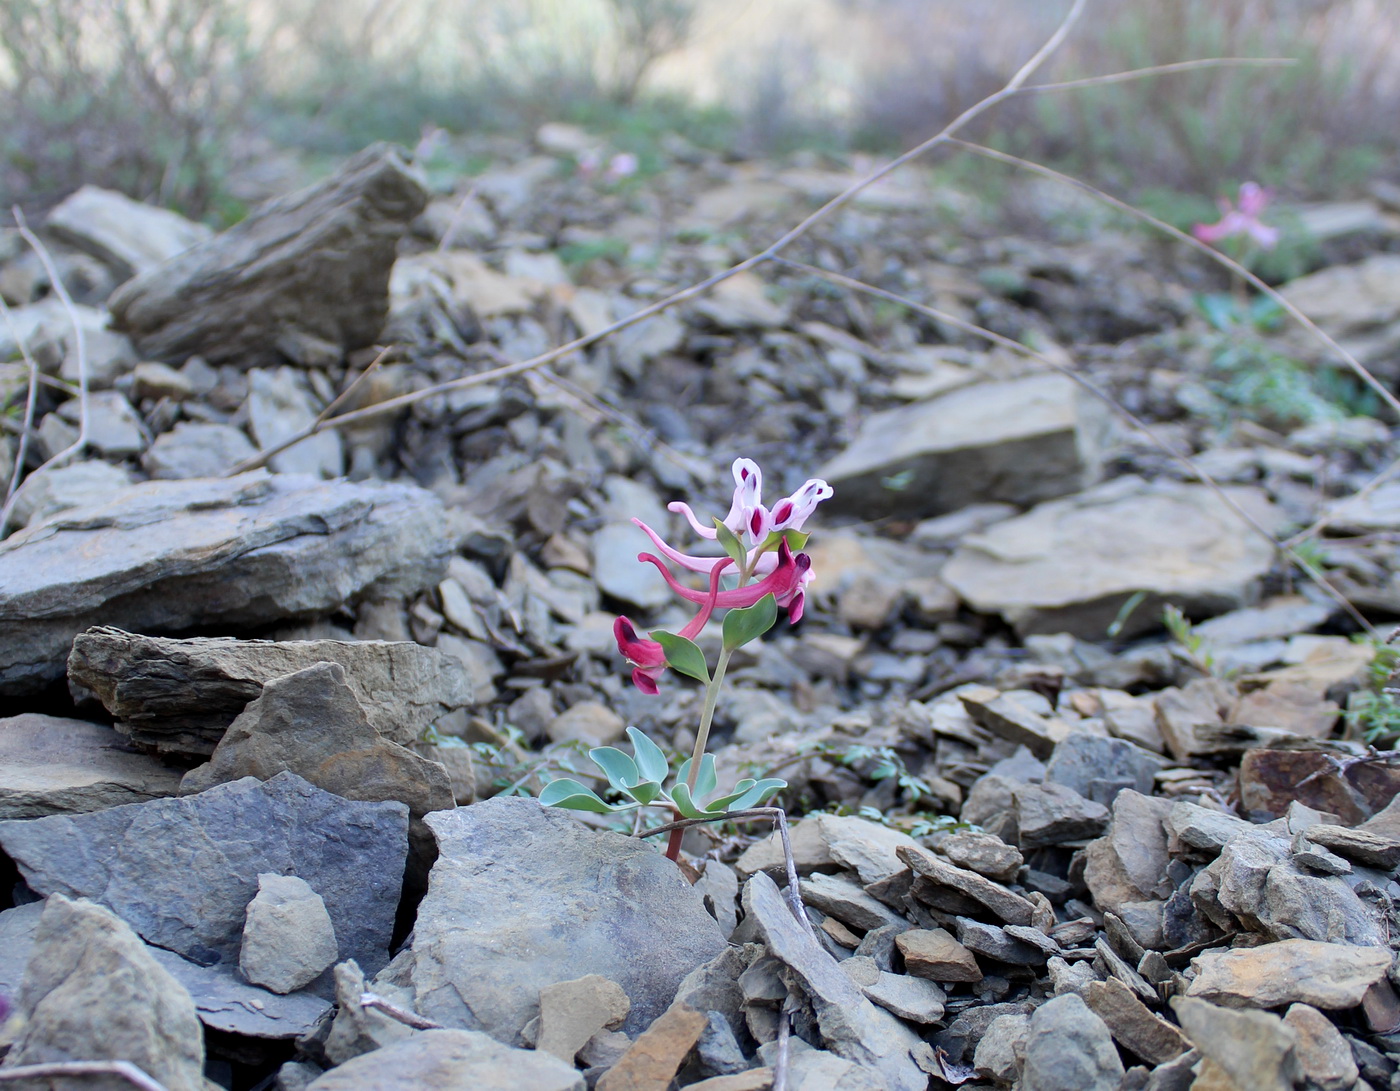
{"x": 165, "y": 99}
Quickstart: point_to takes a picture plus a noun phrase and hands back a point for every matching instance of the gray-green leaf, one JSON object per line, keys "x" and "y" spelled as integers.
{"x": 682, "y": 656}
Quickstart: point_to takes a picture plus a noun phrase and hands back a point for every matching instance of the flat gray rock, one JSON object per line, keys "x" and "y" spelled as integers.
{"x": 1069, "y": 565}
{"x": 52, "y": 765}
{"x": 1098, "y": 768}
{"x": 164, "y": 556}
{"x": 130, "y": 236}
{"x": 1068, "y": 1048}
{"x": 523, "y": 896}
{"x": 1330, "y": 976}
{"x": 288, "y": 938}
{"x": 182, "y": 695}
{"x": 851, "y": 1026}
{"x": 1254, "y": 1049}
{"x": 93, "y": 992}
{"x": 304, "y": 277}
{"x": 1020, "y": 441}
{"x": 450, "y": 1059}
{"x": 196, "y": 449}
{"x": 181, "y": 872}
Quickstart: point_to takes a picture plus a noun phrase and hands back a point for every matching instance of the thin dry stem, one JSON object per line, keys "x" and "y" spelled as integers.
{"x": 26, "y": 428}
{"x": 1185, "y": 460}
{"x": 393, "y": 1011}
{"x": 1163, "y": 70}
{"x": 51, "y": 1069}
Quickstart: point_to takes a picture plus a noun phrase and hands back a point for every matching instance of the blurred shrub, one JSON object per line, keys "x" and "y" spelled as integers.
{"x": 138, "y": 95}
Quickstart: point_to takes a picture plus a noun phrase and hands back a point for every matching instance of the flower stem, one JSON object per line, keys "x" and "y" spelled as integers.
{"x": 702, "y": 736}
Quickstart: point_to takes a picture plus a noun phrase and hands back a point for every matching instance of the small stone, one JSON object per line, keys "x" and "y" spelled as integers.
{"x": 847, "y": 902}
{"x": 451, "y": 1058}
{"x": 588, "y": 722}
{"x": 1362, "y": 846}
{"x": 933, "y": 953}
{"x": 1099, "y": 768}
{"x": 288, "y": 938}
{"x": 992, "y": 942}
{"x": 357, "y": 1029}
{"x": 915, "y": 999}
{"x": 1255, "y": 1049}
{"x": 1010, "y": 907}
{"x": 1330, "y": 976}
{"x": 1001, "y": 1049}
{"x": 656, "y": 1055}
{"x": 1068, "y": 1048}
{"x": 193, "y": 449}
{"x": 1006, "y": 718}
{"x": 48, "y": 492}
{"x": 572, "y": 1012}
{"x": 1050, "y": 814}
{"x": 1198, "y": 830}
{"x": 618, "y": 572}
{"x": 982, "y": 853}
{"x": 154, "y": 380}
{"x": 1181, "y": 711}
{"x": 1133, "y": 1025}
{"x": 1071, "y": 977}
{"x": 1323, "y": 1053}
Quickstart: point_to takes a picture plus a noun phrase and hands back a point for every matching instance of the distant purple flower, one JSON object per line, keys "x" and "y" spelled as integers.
{"x": 1242, "y": 219}
{"x": 620, "y": 166}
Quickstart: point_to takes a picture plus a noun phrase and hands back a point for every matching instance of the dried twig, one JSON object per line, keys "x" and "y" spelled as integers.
{"x": 393, "y": 1011}
{"x": 1185, "y": 460}
{"x": 26, "y": 428}
{"x": 50, "y": 1069}
{"x": 780, "y": 1062}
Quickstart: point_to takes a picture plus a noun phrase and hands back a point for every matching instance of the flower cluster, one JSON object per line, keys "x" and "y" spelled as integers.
{"x": 1242, "y": 219}
{"x": 760, "y": 542}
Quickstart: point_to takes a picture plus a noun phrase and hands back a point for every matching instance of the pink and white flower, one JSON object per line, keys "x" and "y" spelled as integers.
{"x": 1242, "y": 219}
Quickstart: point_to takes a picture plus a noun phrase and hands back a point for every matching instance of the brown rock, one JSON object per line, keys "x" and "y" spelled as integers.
{"x": 1012, "y": 908}
{"x": 571, "y": 1012}
{"x": 652, "y": 1061}
{"x": 1322, "y": 1051}
{"x": 1271, "y": 780}
{"x": 1292, "y": 706}
{"x": 1004, "y": 717}
{"x": 1179, "y": 711}
{"x": 1133, "y": 1025}
{"x": 755, "y": 1079}
{"x": 934, "y": 953}
{"x": 1332, "y": 976}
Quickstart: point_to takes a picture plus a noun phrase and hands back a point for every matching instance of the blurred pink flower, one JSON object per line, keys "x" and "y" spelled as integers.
{"x": 620, "y": 166}
{"x": 1242, "y": 219}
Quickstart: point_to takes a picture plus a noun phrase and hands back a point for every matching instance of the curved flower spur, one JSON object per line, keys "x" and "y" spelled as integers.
{"x": 763, "y": 548}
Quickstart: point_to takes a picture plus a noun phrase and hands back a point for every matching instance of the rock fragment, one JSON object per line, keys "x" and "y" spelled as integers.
{"x": 1330, "y": 976}
{"x": 1068, "y": 1048}
{"x": 451, "y": 1058}
{"x": 288, "y": 938}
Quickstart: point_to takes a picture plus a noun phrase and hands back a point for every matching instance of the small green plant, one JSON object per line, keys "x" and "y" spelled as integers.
{"x": 760, "y": 545}
{"x": 1374, "y": 712}
{"x": 1192, "y": 644}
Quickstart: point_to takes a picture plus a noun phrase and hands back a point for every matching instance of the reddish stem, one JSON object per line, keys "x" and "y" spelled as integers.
{"x": 673, "y": 845}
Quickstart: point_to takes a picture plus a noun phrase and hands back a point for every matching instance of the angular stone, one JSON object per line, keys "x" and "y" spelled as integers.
{"x": 1323, "y": 1053}
{"x": 1002, "y": 1049}
{"x": 93, "y": 992}
{"x": 847, "y": 902}
{"x": 571, "y": 1012}
{"x": 1294, "y": 707}
{"x": 914, "y": 999}
{"x": 181, "y": 872}
{"x": 356, "y": 1028}
{"x": 305, "y": 277}
{"x": 288, "y": 938}
{"x": 828, "y": 841}
{"x": 115, "y": 429}
{"x": 1010, "y": 907}
{"x": 1330, "y": 976}
{"x": 652, "y": 1060}
{"x": 1253, "y": 1048}
{"x": 48, "y": 492}
{"x": 1133, "y": 1025}
{"x": 1358, "y": 304}
{"x": 618, "y": 572}
{"x": 1050, "y": 814}
{"x": 983, "y": 853}
{"x": 51, "y": 765}
{"x": 1129, "y": 864}
{"x": 181, "y": 695}
{"x": 130, "y": 236}
{"x": 992, "y": 942}
{"x": 1008, "y": 719}
{"x": 1019, "y": 441}
{"x": 279, "y": 406}
{"x": 310, "y": 723}
{"x": 589, "y": 722}
{"x": 934, "y": 953}
{"x": 451, "y": 1058}
{"x": 237, "y": 552}
{"x": 1200, "y": 830}
{"x": 195, "y": 449}
{"x": 850, "y": 1026}
{"x": 1099, "y": 768}
{"x": 1180, "y": 712}
{"x": 1369, "y": 849}
{"x": 512, "y": 877}
{"x": 1070, "y": 565}
{"x": 1068, "y": 1048}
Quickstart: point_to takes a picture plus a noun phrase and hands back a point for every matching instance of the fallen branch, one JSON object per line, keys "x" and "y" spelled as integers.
{"x": 50, "y": 1069}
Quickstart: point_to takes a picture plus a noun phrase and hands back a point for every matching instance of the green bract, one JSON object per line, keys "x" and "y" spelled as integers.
{"x": 682, "y": 655}
{"x": 638, "y": 777}
{"x": 745, "y": 623}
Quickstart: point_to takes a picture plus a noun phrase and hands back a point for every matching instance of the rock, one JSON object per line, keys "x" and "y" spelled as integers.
{"x": 618, "y": 572}
{"x": 1293, "y": 971}
{"x": 1008, "y": 719}
{"x": 913, "y": 999}
{"x": 1050, "y": 814}
{"x": 128, "y": 235}
{"x": 828, "y": 841}
{"x": 242, "y": 551}
{"x": 1133, "y": 1025}
{"x": 288, "y": 938}
{"x": 280, "y": 404}
{"x": 164, "y": 866}
{"x": 995, "y": 943}
{"x": 1010, "y": 907}
{"x": 359, "y": 1029}
{"x": 310, "y": 723}
{"x": 588, "y": 722}
{"x": 1130, "y": 863}
{"x": 181, "y": 696}
{"x": 1289, "y": 706}
{"x": 1070, "y": 565}
{"x": 740, "y": 303}
{"x": 572, "y": 1012}
{"x": 1020, "y": 441}
{"x": 48, "y": 492}
{"x": 1323, "y": 1054}
{"x": 93, "y": 992}
{"x": 513, "y": 876}
{"x": 1254, "y": 1049}
{"x": 193, "y": 449}
{"x": 152, "y": 380}
{"x": 850, "y": 1026}
{"x": 305, "y": 277}
{"x": 115, "y": 429}
{"x": 1099, "y": 768}
{"x": 934, "y": 953}
{"x": 1002, "y": 1049}
{"x": 1357, "y": 304}
{"x": 1200, "y": 830}
{"x": 982, "y": 853}
{"x": 847, "y": 902}
{"x": 451, "y": 1058}
{"x": 1068, "y": 1048}
{"x": 656, "y": 1055}
{"x": 52, "y": 765}
{"x": 1273, "y": 780}
{"x": 1362, "y": 846}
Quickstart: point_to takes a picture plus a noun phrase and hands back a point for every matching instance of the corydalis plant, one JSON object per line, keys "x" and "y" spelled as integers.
{"x": 763, "y": 550}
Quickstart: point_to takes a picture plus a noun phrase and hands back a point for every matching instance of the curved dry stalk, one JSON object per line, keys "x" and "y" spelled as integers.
{"x": 27, "y": 426}
{"x": 1163, "y": 70}
{"x": 1185, "y": 460}
{"x": 393, "y": 1011}
{"x": 52, "y": 1069}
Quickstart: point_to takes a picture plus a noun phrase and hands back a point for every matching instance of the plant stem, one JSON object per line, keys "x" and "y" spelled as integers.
{"x": 702, "y": 736}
